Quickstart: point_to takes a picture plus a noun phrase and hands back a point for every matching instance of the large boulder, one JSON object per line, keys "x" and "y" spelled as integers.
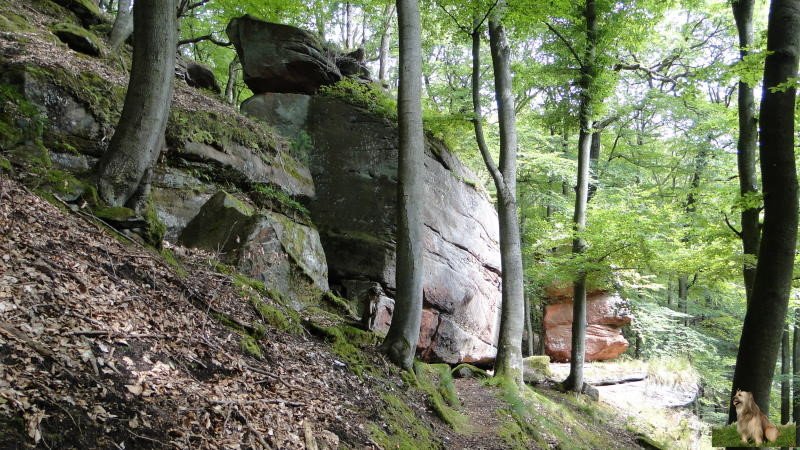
{"x": 281, "y": 58}
{"x": 353, "y": 162}
{"x": 287, "y": 256}
{"x": 197, "y": 75}
{"x": 605, "y": 314}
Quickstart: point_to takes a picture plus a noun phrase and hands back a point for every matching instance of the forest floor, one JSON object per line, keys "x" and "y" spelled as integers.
{"x": 105, "y": 343}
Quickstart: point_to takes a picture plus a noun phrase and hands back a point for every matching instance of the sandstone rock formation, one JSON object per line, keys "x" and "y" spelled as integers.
{"x": 280, "y": 58}
{"x": 196, "y": 75}
{"x": 285, "y": 59}
{"x": 265, "y": 245}
{"x": 354, "y": 164}
{"x": 605, "y": 314}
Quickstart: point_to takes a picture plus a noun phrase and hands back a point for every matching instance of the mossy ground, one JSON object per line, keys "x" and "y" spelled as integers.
{"x": 728, "y": 437}
{"x": 437, "y": 383}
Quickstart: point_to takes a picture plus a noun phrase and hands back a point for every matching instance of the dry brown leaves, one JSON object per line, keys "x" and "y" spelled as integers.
{"x": 101, "y": 346}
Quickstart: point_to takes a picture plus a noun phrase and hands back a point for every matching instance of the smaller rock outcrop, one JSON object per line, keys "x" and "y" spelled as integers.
{"x": 197, "y": 75}
{"x": 77, "y": 38}
{"x": 86, "y": 10}
{"x": 280, "y": 58}
{"x": 285, "y": 59}
{"x": 605, "y": 314}
{"x": 268, "y": 246}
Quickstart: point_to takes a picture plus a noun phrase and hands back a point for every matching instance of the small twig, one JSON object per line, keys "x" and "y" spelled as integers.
{"x": 271, "y": 401}
{"x": 728, "y": 223}
{"x": 115, "y": 334}
{"x": 281, "y": 380}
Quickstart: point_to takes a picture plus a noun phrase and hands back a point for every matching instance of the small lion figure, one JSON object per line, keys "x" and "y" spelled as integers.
{"x": 751, "y": 423}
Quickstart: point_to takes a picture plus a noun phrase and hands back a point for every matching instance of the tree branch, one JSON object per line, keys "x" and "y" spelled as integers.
{"x": 566, "y": 42}
{"x": 728, "y": 223}
{"x": 207, "y": 37}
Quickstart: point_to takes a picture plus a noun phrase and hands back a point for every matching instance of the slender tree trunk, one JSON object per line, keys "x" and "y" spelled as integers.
{"x": 746, "y": 147}
{"x": 348, "y": 33}
{"x": 575, "y": 379}
{"x": 763, "y": 323}
{"x": 509, "y": 346}
{"x": 123, "y": 25}
{"x": 785, "y": 371}
{"x": 386, "y": 36}
{"x": 594, "y": 157}
{"x": 233, "y": 76}
{"x": 683, "y": 297}
{"x": 401, "y": 341}
{"x": 796, "y": 370}
{"x": 137, "y": 141}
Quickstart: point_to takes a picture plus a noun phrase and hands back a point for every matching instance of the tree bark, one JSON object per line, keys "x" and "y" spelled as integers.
{"x": 763, "y": 322}
{"x": 401, "y": 341}
{"x": 574, "y": 381}
{"x": 233, "y": 76}
{"x": 785, "y": 371}
{"x": 683, "y": 297}
{"x": 383, "y": 52}
{"x": 746, "y": 146}
{"x": 123, "y": 25}
{"x": 139, "y": 136}
{"x": 508, "y": 362}
{"x": 796, "y": 369}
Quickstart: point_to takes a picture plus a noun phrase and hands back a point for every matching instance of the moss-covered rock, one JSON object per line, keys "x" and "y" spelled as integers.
{"x": 86, "y": 10}
{"x": 437, "y": 383}
{"x": 77, "y": 38}
{"x": 536, "y": 369}
{"x": 400, "y": 427}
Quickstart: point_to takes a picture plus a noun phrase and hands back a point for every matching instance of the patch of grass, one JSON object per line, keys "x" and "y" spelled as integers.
{"x": 400, "y": 428}
{"x": 728, "y": 437}
{"x": 556, "y": 418}
{"x": 337, "y": 305}
{"x": 347, "y": 343}
{"x": 274, "y": 198}
{"x": 437, "y": 383}
{"x": 675, "y": 371}
{"x": 284, "y": 319}
{"x": 475, "y": 371}
{"x": 369, "y": 96}
{"x": 250, "y": 346}
{"x": 172, "y": 261}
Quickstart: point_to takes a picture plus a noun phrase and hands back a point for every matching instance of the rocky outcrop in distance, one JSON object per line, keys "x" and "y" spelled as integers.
{"x": 606, "y": 313}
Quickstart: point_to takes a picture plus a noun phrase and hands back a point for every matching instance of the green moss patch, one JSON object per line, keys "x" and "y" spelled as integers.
{"x": 276, "y": 199}
{"x": 463, "y": 370}
{"x": 14, "y": 23}
{"x": 400, "y": 428}
{"x": 77, "y": 38}
{"x": 348, "y": 342}
{"x": 20, "y": 120}
{"x": 729, "y": 437}
{"x": 437, "y": 383}
{"x": 337, "y": 305}
{"x": 369, "y": 96}
{"x": 217, "y": 130}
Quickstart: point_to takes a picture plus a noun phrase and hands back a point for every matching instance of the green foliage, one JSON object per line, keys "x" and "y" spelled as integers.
{"x": 369, "y": 96}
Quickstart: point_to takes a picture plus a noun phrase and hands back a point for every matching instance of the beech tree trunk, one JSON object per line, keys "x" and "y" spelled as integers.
{"x": 386, "y": 35}
{"x": 401, "y": 341}
{"x": 233, "y": 75}
{"x": 746, "y": 146}
{"x": 508, "y": 362}
{"x": 574, "y": 381}
{"x": 123, "y": 25}
{"x": 785, "y": 371}
{"x": 796, "y": 369}
{"x": 139, "y": 136}
{"x": 763, "y": 322}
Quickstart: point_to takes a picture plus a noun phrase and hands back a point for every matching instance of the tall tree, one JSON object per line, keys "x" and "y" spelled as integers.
{"x": 763, "y": 322}
{"x": 123, "y": 25}
{"x": 796, "y": 368}
{"x": 123, "y": 171}
{"x": 750, "y": 233}
{"x": 785, "y": 371}
{"x": 587, "y": 75}
{"x": 401, "y": 341}
{"x": 509, "y": 346}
